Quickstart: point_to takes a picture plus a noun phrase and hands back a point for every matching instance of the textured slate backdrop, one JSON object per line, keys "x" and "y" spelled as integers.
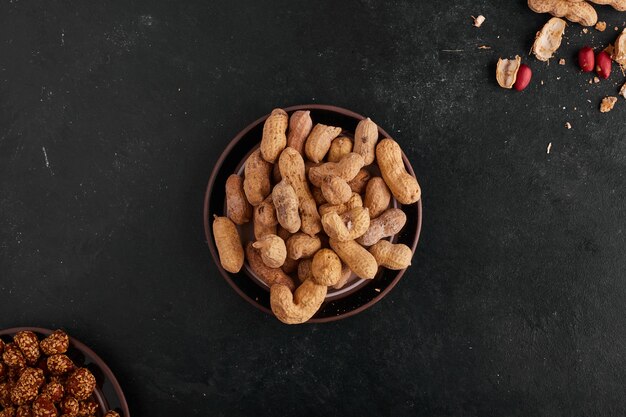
{"x": 515, "y": 302}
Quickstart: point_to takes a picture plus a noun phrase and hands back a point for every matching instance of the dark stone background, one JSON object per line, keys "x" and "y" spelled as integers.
{"x": 514, "y": 305}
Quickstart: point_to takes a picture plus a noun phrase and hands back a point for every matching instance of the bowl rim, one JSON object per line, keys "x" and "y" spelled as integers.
{"x": 77, "y": 344}
{"x": 209, "y": 233}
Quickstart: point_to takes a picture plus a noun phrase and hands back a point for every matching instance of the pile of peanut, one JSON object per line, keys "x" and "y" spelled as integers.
{"x": 38, "y": 379}
{"x": 318, "y": 214}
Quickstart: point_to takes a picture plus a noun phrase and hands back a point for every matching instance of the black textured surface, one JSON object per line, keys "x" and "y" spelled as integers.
{"x": 514, "y": 305}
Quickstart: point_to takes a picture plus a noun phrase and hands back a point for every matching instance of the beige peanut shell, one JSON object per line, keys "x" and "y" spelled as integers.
{"x": 285, "y": 202}
{"x": 270, "y": 276}
{"x": 318, "y": 196}
{"x": 347, "y": 168}
{"x": 319, "y": 140}
{"x": 256, "y": 182}
{"x": 335, "y": 190}
{"x": 238, "y": 209}
{"x": 300, "y": 125}
{"x": 403, "y": 186}
{"x": 326, "y": 267}
{"x": 354, "y": 201}
{"x": 272, "y": 249}
{"x": 348, "y": 226}
{"x": 290, "y": 265}
{"x": 339, "y": 147}
{"x": 302, "y": 245}
{"x": 365, "y": 138}
{"x": 387, "y": 224}
{"x": 359, "y": 182}
{"x": 228, "y": 244}
{"x": 292, "y": 170}
{"x": 274, "y": 138}
{"x": 391, "y": 256}
{"x": 377, "y": 197}
{"x": 346, "y": 273}
{"x": 304, "y": 269}
{"x": 264, "y": 219}
{"x": 300, "y": 306}
{"x": 573, "y": 10}
{"x": 356, "y": 257}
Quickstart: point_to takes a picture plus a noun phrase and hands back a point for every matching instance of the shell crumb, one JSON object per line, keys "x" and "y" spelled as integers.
{"x": 478, "y": 21}
{"x": 600, "y": 26}
{"x": 607, "y": 104}
{"x": 568, "y": 125}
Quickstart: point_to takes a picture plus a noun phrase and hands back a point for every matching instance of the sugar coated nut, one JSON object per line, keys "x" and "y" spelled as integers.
{"x": 8, "y": 412}
{"x": 360, "y": 180}
{"x": 238, "y": 209}
{"x": 548, "y": 39}
{"x": 348, "y": 226}
{"x": 80, "y": 384}
{"x": 1, "y": 346}
{"x": 70, "y": 406}
{"x": 347, "y": 168}
{"x": 272, "y": 249}
{"x": 377, "y": 197}
{"x": 586, "y": 59}
{"x": 269, "y": 276}
{"x": 27, "y": 386}
{"x": 264, "y": 219}
{"x": 5, "y": 394}
{"x": 574, "y": 11}
{"x": 387, "y": 224}
{"x": 300, "y": 125}
{"x": 13, "y": 356}
{"x": 87, "y": 408}
{"x": 319, "y": 140}
{"x": 23, "y": 411}
{"x": 339, "y": 147}
{"x": 355, "y": 201}
{"x": 285, "y": 202}
{"x": 59, "y": 364}
{"x": 403, "y": 186}
{"x": 292, "y": 170}
{"x": 228, "y": 244}
{"x": 336, "y": 190}
{"x": 300, "y": 306}
{"x": 523, "y": 77}
{"x": 274, "y": 139}
{"x": 256, "y": 182}
{"x": 356, "y": 257}
{"x": 28, "y": 344}
{"x": 365, "y": 138}
{"x": 54, "y": 390}
{"x": 391, "y": 256}
{"x": 326, "y": 267}
{"x": 43, "y": 406}
{"x": 112, "y": 413}
{"x": 506, "y": 73}
{"x": 57, "y": 342}
{"x": 603, "y": 65}
{"x": 301, "y": 245}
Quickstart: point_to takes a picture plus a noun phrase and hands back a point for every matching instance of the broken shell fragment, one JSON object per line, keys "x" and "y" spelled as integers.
{"x": 548, "y": 39}
{"x": 506, "y": 71}
{"x": 619, "y": 49}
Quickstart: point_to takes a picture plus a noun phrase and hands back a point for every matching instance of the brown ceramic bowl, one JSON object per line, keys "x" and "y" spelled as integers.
{"x": 362, "y": 293}
{"x": 108, "y": 393}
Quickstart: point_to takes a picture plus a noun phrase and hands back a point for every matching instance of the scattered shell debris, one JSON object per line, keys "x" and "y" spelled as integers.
{"x": 549, "y": 148}
{"x": 607, "y": 104}
{"x": 562, "y": 61}
{"x": 568, "y": 125}
{"x": 600, "y": 26}
{"x": 478, "y": 21}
